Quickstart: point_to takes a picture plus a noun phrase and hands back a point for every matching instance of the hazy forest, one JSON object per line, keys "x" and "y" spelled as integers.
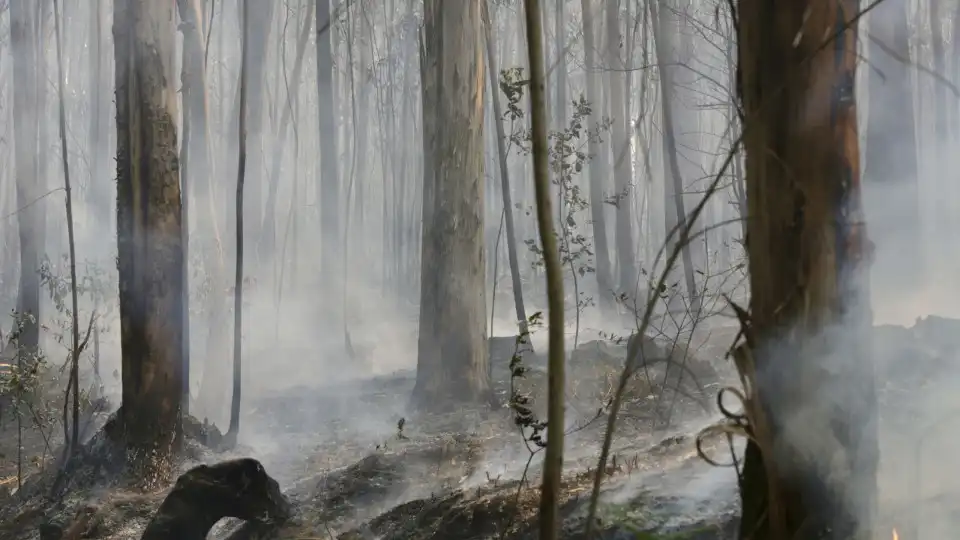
{"x": 479, "y": 269}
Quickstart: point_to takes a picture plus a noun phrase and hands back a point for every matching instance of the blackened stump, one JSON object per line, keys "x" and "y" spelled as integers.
{"x": 204, "y": 495}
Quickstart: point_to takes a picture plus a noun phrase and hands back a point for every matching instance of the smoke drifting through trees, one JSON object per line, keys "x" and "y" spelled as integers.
{"x": 373, "y": 186}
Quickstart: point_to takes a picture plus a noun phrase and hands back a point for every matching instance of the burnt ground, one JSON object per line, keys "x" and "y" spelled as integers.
{"x": 351, "y": 474}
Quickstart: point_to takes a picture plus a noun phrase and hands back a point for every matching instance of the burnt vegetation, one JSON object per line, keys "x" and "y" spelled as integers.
{"x": 478, "y": 269}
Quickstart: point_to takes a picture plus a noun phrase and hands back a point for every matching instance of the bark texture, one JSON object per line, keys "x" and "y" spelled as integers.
{"x": 452, "y": 357}
{"x": 149, "y": 241}
{"x": 808, "y": 251}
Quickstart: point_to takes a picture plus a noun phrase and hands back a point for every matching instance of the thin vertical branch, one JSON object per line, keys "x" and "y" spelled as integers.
{"x": 74, "y": 441}
{"x": 507, "y": 218}
{"x": 553, "y": 462}
{"x": 234, "y": 428}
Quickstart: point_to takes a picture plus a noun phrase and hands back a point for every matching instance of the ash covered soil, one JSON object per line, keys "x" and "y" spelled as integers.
{"x": 352, "y": 473}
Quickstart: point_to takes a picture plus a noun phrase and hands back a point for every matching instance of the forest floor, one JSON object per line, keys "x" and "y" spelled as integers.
{"x": 351, "y": 473}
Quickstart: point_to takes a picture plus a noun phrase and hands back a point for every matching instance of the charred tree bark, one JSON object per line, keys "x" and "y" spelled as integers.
{"x": 149, "y": 240}
{"x": 452, "y": 348}
{"x": 202, "y": 496}
{"x": 808, "y": 252}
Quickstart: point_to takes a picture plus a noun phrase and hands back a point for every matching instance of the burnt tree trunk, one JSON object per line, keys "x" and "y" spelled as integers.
{"x": 149, "y": 241}
{"x": 807, "y": 250}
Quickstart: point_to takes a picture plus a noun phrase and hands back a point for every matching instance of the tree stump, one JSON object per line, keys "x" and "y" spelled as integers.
{"x": 204, "y": 495}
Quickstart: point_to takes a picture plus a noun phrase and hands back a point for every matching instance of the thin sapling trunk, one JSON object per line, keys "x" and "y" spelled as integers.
{"x": 492, "y": 74}
{"x": 553, "y": 462}
{"x": 74, "y": 441}
{"x": 234, "y": 428}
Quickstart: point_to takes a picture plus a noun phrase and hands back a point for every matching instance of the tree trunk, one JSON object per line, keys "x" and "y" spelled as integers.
{"x": 891, "y": 158}
{"x": 192, "y": 62}
{"x": 665, "y": 27}
{"x": 73, "y": 443}
{"x": 452, "y": 346}
{"x": 937, "y": 15}
{"x": 598, "y": 168}
{"x": 261, "y": 20}
{"x": 549, "y": 520}
{"x": 511, "y": 232}
{"x": 247, "y": 25}
{"x": 30, "y": 185}
{"x": 808, "y": 254}
{"x": 329, "y": 183}
{"x": 98, "y": 188}
{"x": 626, "y": 255}
{"x": 193, "y": 82}
{"x": 267, "y": 241}
{"x": 560, "y": 69}
{"x": 42, "y": 119}
{"x": 198, "y": 172}
{"x": 149, "y": 241}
